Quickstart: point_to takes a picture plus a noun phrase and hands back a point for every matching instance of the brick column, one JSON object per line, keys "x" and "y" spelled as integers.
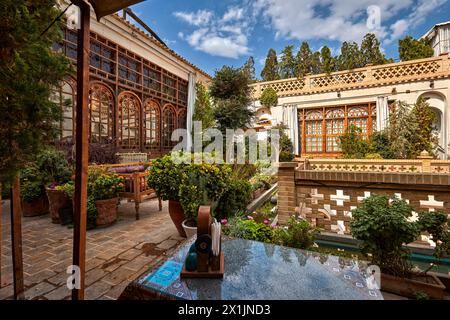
{"x": 286, "y": 191}
{"x": 426, "y": 161}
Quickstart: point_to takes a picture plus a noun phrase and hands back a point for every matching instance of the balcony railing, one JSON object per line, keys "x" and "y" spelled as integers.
{"x": 370, "y": 76}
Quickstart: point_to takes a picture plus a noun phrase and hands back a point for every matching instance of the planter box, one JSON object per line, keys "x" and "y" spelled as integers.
{"x": 36, "y": 207}
{"x": 429, "y": 284}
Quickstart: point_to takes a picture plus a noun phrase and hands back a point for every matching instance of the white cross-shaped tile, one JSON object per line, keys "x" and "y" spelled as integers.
{"x": 431, "y": 203}
{"x": 339, "y": 197}
{"x": 315, "y": 195}
{"x": 366, "y": 195}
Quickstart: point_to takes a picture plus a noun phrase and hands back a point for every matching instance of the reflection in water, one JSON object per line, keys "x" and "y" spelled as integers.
{"x": 285, "y": 253}
{"x": 269, "y": 249}
{"x": 302, "y": 258}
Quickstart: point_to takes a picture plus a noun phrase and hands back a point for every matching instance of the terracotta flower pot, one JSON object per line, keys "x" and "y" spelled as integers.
{"x": 177, "y": 215}
{"x": 57, "y": 200}
{"x": 35, "y": 207}
{"x": 429, "y": 284}
{"x": 106, "y": 211}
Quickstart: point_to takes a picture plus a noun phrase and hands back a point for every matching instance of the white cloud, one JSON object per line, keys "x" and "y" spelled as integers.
{"x": 234, "y": 13}
{"x": 199, "y": 18}
{"x": 225, "y": 36}
{"x": 343, "y": 20}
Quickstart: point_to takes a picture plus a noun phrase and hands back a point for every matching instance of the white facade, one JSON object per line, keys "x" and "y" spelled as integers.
{"x": 439, "y": 37}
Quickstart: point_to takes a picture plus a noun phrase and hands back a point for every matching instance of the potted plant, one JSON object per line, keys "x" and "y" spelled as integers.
{"x": 104, "y": 188}
{"x": 384, "y": 227}
{"x": 201, "y": 184}
{"x": 165, "y": 178}
{"x": 56, "y": 171}
{"x": 34, "y": 201}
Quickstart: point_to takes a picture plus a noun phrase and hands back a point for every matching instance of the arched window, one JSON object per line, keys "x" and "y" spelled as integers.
{"x": 129, "y": 110}
{"x": 335, "y": 119}
{"x": 182, "y": 121}
{"x": 65, "y": 97}
{"x": 101, "y": 104}
{"x": 313, "y": 131}
{"x": 152, "y": 120}
{"x": 358, "y": 116}
{"x": 169, "y": 125}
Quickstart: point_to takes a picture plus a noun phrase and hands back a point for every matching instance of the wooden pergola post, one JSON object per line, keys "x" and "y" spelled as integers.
{"x": 16, "y": 239}
{"x": 1, "y": 220}
{"x": 82, "y": 148}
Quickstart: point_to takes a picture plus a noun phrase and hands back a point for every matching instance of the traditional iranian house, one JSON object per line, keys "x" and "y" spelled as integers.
{"x": 140, "y": 89}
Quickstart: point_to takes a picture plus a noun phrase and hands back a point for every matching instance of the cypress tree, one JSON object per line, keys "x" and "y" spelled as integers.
{"x": 287, "y": 63}
{"x": 270, "y": 70}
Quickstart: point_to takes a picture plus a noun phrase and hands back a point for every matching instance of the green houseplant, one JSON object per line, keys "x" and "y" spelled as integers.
{"x": 384, "y": 226}
{"x": 56, "y": 169}
{"x": 104, "y": 189}
{"x": 34, "y": 201}
{"x": 165, "y": 178}
{"x": 201, "y": 184}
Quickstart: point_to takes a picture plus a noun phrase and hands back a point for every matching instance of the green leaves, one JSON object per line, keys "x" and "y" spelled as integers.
{"x": 269, "y": 97}
{"x": 271, "y": 68}
{"x": 384, "y": 226}
{"x": 411, "y": 49}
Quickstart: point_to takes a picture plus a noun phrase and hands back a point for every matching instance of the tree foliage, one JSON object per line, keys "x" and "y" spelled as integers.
{"x": 303, "y": 60}
{"x": 287, "y": 63}
{"x": 411, "y": 49}
{"x": 231, "y": 95}
{"x": 350, "y": 57}
{"x": 249, "y": 69}
{"x": 29, "y": 71}
{"x": 327, "y": 60}
{"x": 270, "y": 70}
{"x": 203, "y": 109}
{"x": 269, "y": 97}
{"x": 371, "y": 51}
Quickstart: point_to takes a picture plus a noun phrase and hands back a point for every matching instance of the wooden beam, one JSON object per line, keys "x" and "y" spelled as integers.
{"x": 16, "y": 239}
{"x": 82, "y": 149}
{"x": 1, "y": 220}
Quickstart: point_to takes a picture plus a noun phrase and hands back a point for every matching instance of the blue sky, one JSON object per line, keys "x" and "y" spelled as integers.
{"x": 212, "y": 33}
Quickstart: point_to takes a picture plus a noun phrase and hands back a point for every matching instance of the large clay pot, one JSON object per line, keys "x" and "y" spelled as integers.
{"x": 106, "y": 211}
{"x": 57, "y": 200}
{"x": 177, "y": 215}
{"x": 35, "y": 207}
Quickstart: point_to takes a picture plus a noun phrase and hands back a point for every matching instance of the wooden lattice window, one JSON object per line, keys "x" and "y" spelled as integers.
{"x": 129, "y": 68}
{"x": 169, "y": 124}
{"x": 182, "y": 120}
{"x": 102, "y": 57}
{"x": 313, "y": 131}
{"x": 359, "y": 116}
{"x": 335, "y": 123}
{"x": 152, "y": 79}
{"x": 152, "y": 120}
{"x": 65, "y": 97}
{"x": 129, "y": 119}
{"x": 101, "y": 104}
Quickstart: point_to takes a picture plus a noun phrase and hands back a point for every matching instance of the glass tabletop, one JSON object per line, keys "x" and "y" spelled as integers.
{"x": 261, "y": 271}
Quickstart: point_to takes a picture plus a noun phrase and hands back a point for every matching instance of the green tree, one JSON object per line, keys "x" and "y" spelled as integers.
{"x": 249, "y": 69}
{"x": 203, "y": 109}
{"x": 411, "y": 49}
{"x": 316, "y": 63}
{"x": 423, "y": 137}
{"x": 269, "y": 97}
{"x": 303, "y": 60}
{"x": 370, "y": 50}
{"x": 353, "y": 144}
{"x": 231, "y": 95}
{"x": 401, "y": 129}
{"x": 29, "y": 72}
{"x": 287, "y": 63}
{"x": 327, "y": 60}
{"x": 270, "y": 70}
{"x": 350, "y": 57}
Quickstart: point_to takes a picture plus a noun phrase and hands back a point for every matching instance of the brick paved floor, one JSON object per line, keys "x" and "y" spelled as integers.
{"x": 115, "y": 255}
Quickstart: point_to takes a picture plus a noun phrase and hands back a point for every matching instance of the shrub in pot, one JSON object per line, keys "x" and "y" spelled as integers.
{"x": 297, "y": 234}
{"x": 384, "y": 226}
{"x": 104, "y": 189}
{"x": 165, "y": 178}
{"x": 56, "y": 171}
{"x": 34, "y": 200}
{"x": 201, "y": 184}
